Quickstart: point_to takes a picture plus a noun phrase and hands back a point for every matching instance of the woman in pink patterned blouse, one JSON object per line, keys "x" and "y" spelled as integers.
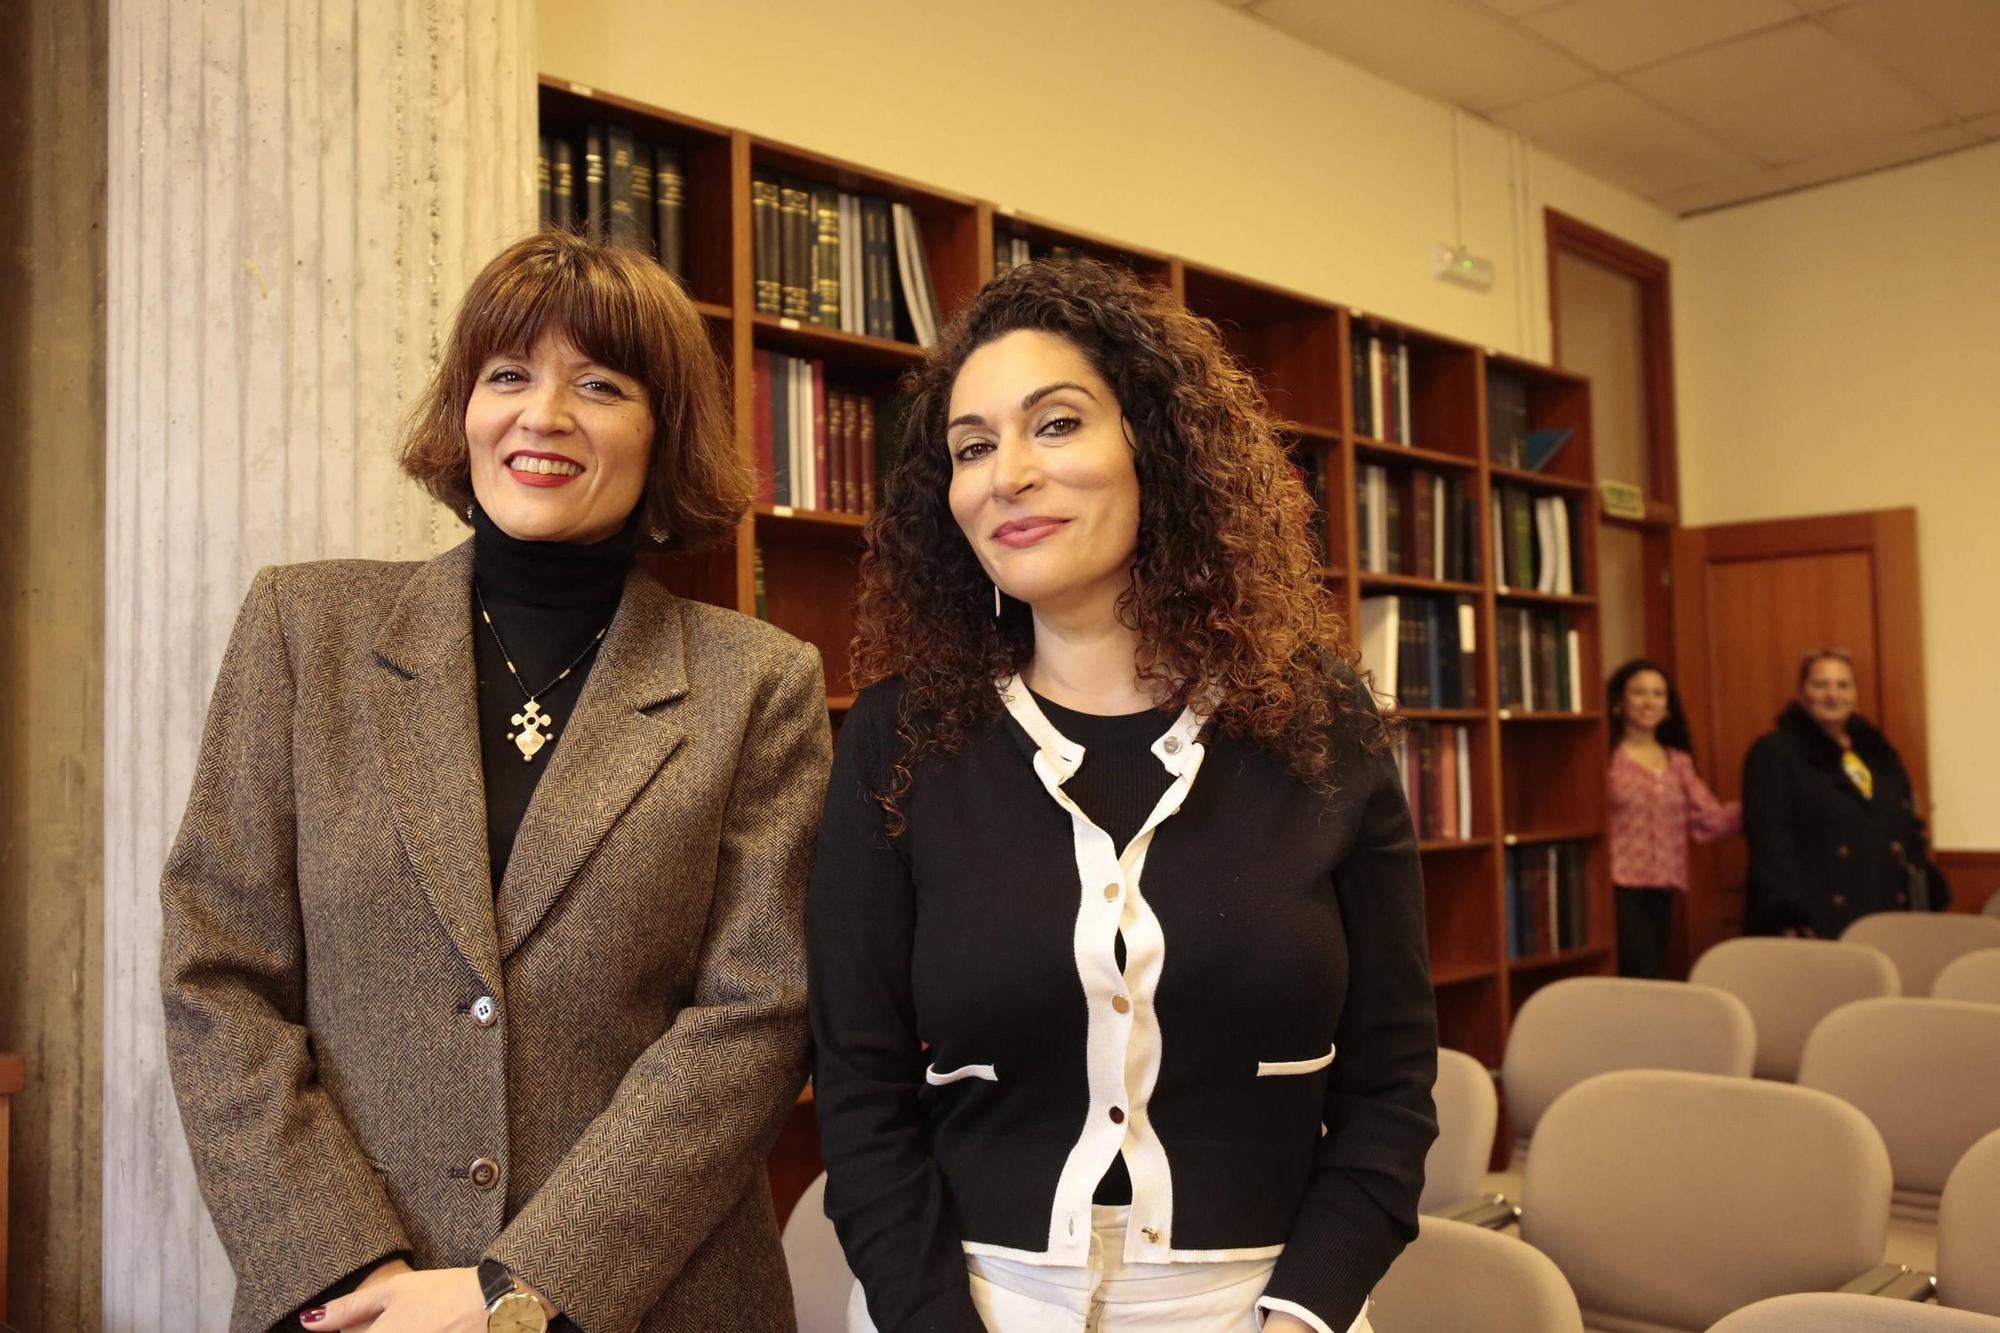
{"x": 1657, "y": 803}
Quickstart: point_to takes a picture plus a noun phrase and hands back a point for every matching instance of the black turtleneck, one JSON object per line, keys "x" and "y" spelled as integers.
{"x": 548, "y": 601}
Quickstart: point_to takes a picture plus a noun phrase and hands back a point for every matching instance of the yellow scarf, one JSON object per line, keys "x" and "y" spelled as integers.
{"x": 1858, "y": 771}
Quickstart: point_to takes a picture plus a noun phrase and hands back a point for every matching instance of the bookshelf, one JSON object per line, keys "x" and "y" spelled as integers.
{"x": 1534, "y": 773}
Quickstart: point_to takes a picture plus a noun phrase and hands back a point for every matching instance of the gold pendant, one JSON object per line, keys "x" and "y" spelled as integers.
{"x": 535, "y": 726}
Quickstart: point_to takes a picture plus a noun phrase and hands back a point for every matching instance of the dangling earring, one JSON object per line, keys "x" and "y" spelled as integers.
{"x": 468, "y": 513}
{"x": 659, "y": 535}
{"x": 996, "y": 601}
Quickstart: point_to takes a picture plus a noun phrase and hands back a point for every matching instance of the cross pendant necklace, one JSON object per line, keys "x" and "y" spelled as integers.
{"x": 536, "y": 728}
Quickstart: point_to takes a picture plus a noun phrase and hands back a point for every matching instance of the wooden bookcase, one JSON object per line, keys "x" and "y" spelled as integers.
{"x": 1537, "y": 777}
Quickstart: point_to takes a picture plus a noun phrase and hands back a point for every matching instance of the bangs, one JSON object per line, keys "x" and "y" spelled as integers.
{"x": 586, "y": 298}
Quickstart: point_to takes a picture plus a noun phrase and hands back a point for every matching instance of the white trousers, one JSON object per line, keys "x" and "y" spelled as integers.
{"x": 1110, "y": 1295}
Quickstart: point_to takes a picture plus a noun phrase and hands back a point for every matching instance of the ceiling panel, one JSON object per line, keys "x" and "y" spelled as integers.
{"x": 1949, "y": 48}
{"x": 1789, "y": 93}
{"x": 1617, "y": 35}
{"x": 1873, "y": 157}
{"x": 1454, "y": 51}
{"x": 1608, "y": 130}
{"x": 1727, "y": 190}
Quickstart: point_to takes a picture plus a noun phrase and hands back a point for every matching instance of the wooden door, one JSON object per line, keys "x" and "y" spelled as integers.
{"x": 1749, "y": 600}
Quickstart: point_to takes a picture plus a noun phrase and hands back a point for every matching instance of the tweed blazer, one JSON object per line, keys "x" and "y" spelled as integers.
{"x": 579, "y": 1076}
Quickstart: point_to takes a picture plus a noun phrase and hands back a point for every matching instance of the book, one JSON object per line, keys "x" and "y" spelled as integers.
{"x": 796, "y": 235}
{"x": 1468, "y": 653}
{"x": 670, "y": 209}
{"x": 760, "y": 598}
{"x": 1545, "y": 543}
{"x": 1573, "y": 648}
{"x": 1380, "y": 639}
{"x": 914, "y": 267}
{"x": 1406, "y": 431}
{"x": 878, "y": 249}
{"x": 870, "y": 461}
{"x": 826, "y": 256}
{"x": 852, "y": 319}
{"x": 1465, "y": 820}
{"x": 594, "y": 190}
{"x": 1506, "y": 417}
{"x": 544, "y": 182}
{"x": 562, "y": 183}
{"x": 1521, "y": 537}
{"x": 1560, "y": 575}
{"x": 766, "y": 229}
{"x": 645, "y": 217}
{"x": 1539, "y": 447}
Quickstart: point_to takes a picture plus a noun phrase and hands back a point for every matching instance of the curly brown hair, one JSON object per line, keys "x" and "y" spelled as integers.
{"x": 622, "y": 309}
{"x": 1226, "y": 594}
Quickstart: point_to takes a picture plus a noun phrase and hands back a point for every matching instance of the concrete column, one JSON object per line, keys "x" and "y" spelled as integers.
{"x": 297, "y": 195}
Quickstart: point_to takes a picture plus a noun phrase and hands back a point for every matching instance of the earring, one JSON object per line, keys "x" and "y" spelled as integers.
{"x": 659, "y": 535}
{"x": 468, "y": 513}
{"x": 996, "y": 601}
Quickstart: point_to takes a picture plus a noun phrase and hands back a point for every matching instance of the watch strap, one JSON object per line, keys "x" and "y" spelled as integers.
{"x": 494, "y": 1281}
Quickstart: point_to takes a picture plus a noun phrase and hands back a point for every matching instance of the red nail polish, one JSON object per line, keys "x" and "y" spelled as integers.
{"x": 314, "y": 1315}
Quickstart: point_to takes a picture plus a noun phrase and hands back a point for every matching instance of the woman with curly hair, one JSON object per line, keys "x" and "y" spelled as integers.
{"x": 1116, "y": 933}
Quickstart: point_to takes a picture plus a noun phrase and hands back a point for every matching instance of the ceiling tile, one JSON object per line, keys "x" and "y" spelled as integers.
{"x": 1949, "y": 48}
{"x": 1788, "y": 93}
{"x": 1874, "y": 157}
{"x": 1458, "y": 52}
{"x": 1615, "y": 134}
{"x": 1518, "y": 7}
{"x": 1617, "y": 35}
{"x": 1727, "y": 190}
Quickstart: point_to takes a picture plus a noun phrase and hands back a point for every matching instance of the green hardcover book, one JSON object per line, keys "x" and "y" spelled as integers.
{"x": 795, "y": 277}
{"x": 644, "y": 217}
{"x": 826, "y": 256}
{"x": 1520, "y": 508}
{"x": 767, "y": 228}
{"x": 594, "y": 216}
{"x": 624, "y": 227}
{"x": 562, "y": 185}
{"x": 670, "y": 205}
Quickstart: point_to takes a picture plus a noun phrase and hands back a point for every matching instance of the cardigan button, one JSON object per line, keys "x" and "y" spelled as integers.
{"x": 1896, "y": 847}
{"x": 1117, "y": 1115}
{"x": 1840, "y": 850}
{"x": 485, "y": 1173}
{"x": 1121, "y": 1004}
{"x": 1172, "y": 745}
{"x": 1110, "y": 893}
{"x": 484, "y": 1011}
{"x": 1840, "y": 900}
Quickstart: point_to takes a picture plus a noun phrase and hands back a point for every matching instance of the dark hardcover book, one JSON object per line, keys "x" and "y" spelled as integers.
{"x": 826, "y": 256}
{"x": 1579, "y": 889}
{"x": 766, "y": 230}
{"x": 822, "y": 451}
{"x": 645, "y": 217}
{"x": 544, "y": 183}
{"x": 624, "y": 226}
{"x": 1362, "y": 492}
{"x": 879, "y": 252}
{"x": 1576, "y": 551}
{"x": 782, "y": 400}
{"x": 1448, "y": 507}
{"x": 850, "y": 453}
{"x": 1423, "y": 536}
{"x": 1392, "y": 392}
{"x": 1507, "y": 645}
{"x": 1433, "y": 641}
{"x": 1548, "y": 652}
{"x": 594, "y": 201}
{"x": 1506, "y": 418}
{"x": 759, "y": 600}
{"x": 870, "y": 460}
{"x": 1417, "y": 652}
{"x": 1364, "y": 397}
{"x": 1393, "y": 521}
{"x": 1424, "y": 744}
{"x": 1520, "y": 507}
{"x": 1542, "y": 932}
{"x": 562, "y": 184}
{"x": 1468, "y": 518}
{"x": 1559, "y": 668}
{"x": 1513, "y": 903}
{"x": 1468, "y": 653}
{"x": 795, "y": 277}
{"x": 1450, "y": 657}
{"x": 670, "y": 208}
{"x": 761, "y": 437}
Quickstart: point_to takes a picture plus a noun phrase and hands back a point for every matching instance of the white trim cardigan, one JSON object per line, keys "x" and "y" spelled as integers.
{"x": 1263, "y": 1061}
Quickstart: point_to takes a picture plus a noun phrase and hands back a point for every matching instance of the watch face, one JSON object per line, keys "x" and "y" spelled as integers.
{"x": 517, "y": 1312}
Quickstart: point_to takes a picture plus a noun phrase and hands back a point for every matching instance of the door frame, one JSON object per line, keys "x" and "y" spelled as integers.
{"x": 1889, "y": 538}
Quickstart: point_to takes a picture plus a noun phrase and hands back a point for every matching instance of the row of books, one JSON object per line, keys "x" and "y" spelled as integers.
{"x": 817, "y": 448}
{"x": 1381, "y": 375}
{"x": 842, "y": 261}
{"x": 1541, "y": 660}
{"x": 1509, "y": 441}
{"x": 1548, "y": 899}
{"x": 1422, "y": 651}
{"x": 1532, "y": 547}
{"x": 1416, "y": 522}
{"x": 614, "y": 186}
{"x": 1435, "y": 760}
{"x": 1010, "y": 251}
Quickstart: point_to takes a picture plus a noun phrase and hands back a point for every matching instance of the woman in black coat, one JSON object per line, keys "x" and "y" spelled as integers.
{"x": 1831, "y": 817}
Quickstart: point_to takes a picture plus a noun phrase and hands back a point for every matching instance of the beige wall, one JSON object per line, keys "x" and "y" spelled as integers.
{"x": 52, "y": 105}
{"x": 1840, "y": 350}
{"x": 1178, "y": 125}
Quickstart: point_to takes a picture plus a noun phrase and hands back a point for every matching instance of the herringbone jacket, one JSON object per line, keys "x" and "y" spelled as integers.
{"x": 579, "y": 1078}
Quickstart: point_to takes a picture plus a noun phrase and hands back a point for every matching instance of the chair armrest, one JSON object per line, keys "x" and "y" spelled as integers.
{"x": 1896, "y": 1282}
{"x": 1493, "y": 1212}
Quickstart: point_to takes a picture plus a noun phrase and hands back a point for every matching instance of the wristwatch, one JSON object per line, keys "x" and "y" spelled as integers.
{"x": 509, "y": 1309}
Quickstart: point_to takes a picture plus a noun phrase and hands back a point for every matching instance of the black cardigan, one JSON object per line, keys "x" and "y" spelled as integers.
{"x": 961, "y": 982}
{"x": 1821, "y": 853}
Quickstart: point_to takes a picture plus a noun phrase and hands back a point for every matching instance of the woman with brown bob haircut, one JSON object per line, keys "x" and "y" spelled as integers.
{"x": 483, "y": 955}
{"x": 1120, "y": 997}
